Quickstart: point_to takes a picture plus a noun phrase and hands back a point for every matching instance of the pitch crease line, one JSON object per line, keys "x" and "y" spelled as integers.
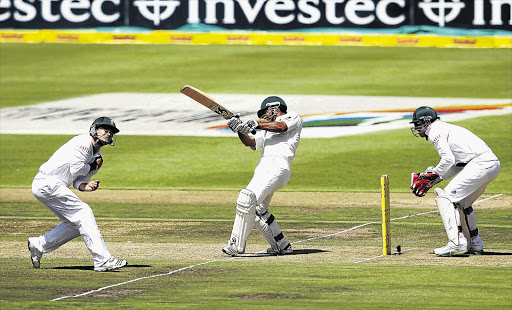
{"x": 379, "y": 256}
{"x": 232, "y": 258}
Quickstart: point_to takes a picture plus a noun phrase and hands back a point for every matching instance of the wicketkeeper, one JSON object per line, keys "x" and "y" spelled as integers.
{"x": 74, "y": 163}
{"x": 468, "y": 157}
{"x": 278, "y": 137}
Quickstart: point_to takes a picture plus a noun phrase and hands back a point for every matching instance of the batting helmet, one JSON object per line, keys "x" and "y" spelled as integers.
{"x": 424, "y": 115}
{"x": 272, "y": 101}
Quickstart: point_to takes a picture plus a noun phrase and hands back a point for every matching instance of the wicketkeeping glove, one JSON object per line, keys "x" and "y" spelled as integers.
{"x": 421, "y": 183}
{"x": 235, "y": 122}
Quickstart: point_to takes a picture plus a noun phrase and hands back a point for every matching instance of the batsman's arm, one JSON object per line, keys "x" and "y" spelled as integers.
{"x": 247, "y": 140}
{"x": 273, "y": 126}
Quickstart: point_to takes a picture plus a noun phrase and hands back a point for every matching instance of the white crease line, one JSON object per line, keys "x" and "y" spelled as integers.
{"x": 479, "y": 201}
{"x": 134, "y": 280}
{"x": 232, "y": 258}
{"x": 382, "y": 255}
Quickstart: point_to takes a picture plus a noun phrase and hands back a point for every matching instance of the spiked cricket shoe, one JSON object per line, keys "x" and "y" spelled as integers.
{"x": 111, "y": 264}
{"x": 451, "y": 249}
{"x": 231, "y": 251}
{"x": 35, "y": 254}
{"x": 287, "y": 250}
{"x": 477, "y": 245}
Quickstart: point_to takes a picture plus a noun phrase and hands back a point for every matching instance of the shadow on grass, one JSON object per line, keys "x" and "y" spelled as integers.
{"x": 489, "y": 253}
{"x": 295, "y": 252}
{"x": 92, "y": 268}
{"x": 495, "y": 253}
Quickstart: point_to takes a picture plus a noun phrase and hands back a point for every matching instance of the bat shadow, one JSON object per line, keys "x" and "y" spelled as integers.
{"x": 495, "y": 253}
{"x": 92, "y": 268}
{"x": 295, "y": 252}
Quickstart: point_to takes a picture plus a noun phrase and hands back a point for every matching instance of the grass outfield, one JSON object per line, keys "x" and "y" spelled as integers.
{"x": 167, "y": 203}
{"x": 161, "y": 236}
{"x": 353, "y": 163}
{"x": 32, "y": 73}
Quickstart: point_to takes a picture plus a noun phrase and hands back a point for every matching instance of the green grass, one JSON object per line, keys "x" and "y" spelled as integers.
{"x": 302, "y": 286}
{"x": 32, "y": 73}
{"x": 353, "y": 163}
{"x": 260, "y": 283}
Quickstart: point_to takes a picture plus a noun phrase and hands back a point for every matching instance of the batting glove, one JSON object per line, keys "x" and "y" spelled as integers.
{"x": 248, "y": 126}
{"x": 235, "y": 122}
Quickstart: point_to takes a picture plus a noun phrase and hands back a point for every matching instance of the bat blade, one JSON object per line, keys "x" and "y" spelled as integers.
{"x": 207, "y": 101}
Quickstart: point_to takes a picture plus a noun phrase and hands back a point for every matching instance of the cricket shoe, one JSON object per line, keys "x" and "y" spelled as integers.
{"x": 111, "y": 264}
{"x": 287, "y": 250}
{"x": 477, "y": 245}
{"x": 451, "y": 249}
{"x": 35, "y": 254}
{"x": 231, "y": 251}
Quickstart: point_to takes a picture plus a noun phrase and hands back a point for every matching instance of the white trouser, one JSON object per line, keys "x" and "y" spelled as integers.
{"x": 465, "y": 188}
{"x": 76, "y": 216}
{"x": 271, "y": 174}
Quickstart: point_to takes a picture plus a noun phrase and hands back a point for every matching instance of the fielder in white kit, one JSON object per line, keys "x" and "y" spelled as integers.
{"x": 74, "y": 163}
{"x": 279, "y": 138}
{"x": 464, "y": 154}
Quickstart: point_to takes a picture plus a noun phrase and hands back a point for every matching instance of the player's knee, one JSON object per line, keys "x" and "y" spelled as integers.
{"x": 246, "y": 199}
{"x": 468, "y": 210}
{"x": 261, "y": 209}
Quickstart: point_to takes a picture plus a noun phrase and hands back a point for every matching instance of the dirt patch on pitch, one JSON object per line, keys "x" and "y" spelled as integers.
{"x": 307, "y": 252}
{"x": 281, "y": 198}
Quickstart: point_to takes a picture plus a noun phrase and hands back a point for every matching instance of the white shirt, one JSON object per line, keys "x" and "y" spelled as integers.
{"x": 71, "y": 162}
{"x": 281, "y": 144}
{"x": 456, "y": 145}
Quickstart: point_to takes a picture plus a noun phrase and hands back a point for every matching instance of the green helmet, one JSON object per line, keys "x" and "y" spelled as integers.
{"x": 106, "y": 122}
{"x": 424, "y": 116}
{"x": 272, "y": 101}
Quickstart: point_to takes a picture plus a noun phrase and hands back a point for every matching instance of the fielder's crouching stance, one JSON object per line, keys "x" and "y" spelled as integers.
{"x": 74, "y": 163}
{"x": 279, "y": 138}
{"x": 464, "y": 153}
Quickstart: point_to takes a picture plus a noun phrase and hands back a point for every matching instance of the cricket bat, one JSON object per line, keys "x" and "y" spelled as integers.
{"x": 207, "y": 101}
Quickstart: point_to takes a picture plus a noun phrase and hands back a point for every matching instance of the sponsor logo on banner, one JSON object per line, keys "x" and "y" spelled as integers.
{"x": 255, "y": 14}
{"x": 156, "y": 10}
{"x": 67, "y": 37}
{"x": 124, "y": 37}
{"x": 237, "y": 38}
{"x": 350, "y": 40}
{"x": 441, "y": 12}
{"x": 181, "y": 38}
{"x": 294, "y": 38}
{"x": 175, "y": 114}
{"x": 464, "y": 41}
{"x": 411, "y": 41}
{"x": 12, "y": 36}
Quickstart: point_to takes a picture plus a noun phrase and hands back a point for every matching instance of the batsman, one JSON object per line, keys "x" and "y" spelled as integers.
{"x": 474, "y": 165}
{"x": 278, "y": 136}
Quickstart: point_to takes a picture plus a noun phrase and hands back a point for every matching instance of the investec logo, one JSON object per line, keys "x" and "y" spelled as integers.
{"x": 156, "y": 10}
{"x": 440, "y": 12}
{"x": 278, "y": 12}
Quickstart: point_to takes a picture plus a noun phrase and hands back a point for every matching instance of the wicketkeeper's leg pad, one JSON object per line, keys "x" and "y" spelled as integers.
{"x": 468, "y": 222}
{"x": 244, "y": 220}
{"x": 451, "y": 218}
